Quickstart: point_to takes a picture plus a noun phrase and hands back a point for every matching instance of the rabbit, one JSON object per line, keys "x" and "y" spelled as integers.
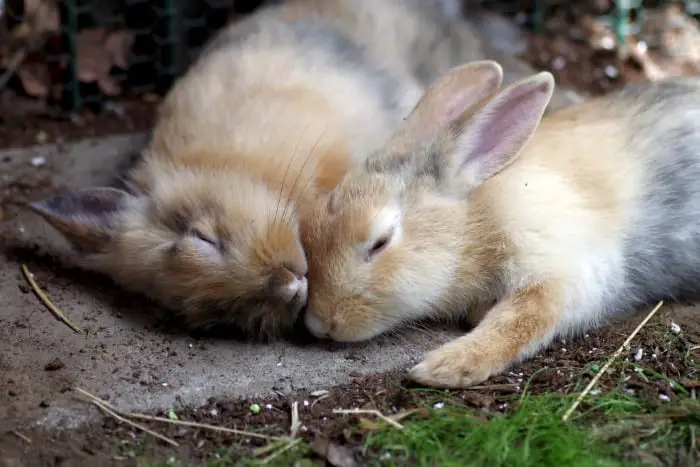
{"x": 273, "y": 112}
{"x": 561, "y": 222}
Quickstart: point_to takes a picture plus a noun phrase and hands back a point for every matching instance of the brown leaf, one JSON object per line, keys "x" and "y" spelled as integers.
{"x": 41, "y": 17}
{"x": 369, "y": 425}
{"x": 118, "y": 44}
{"x": 34, "y": 77}
{"x": 335, "y": 454}
{"x": 424, "y": 412}
{"x": 93, "y": 64}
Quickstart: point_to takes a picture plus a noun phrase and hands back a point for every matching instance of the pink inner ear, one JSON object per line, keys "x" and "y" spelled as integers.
{"x": 503, "y": 126}
{"x": 500, "y": 130}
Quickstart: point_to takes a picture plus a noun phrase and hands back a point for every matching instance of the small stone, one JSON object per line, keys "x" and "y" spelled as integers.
{"x": 639, "y": 354}
{"x": 664, "y": 398}
{"x": 439, "y": 405}
{"x": 306, "y": 403}
{"x": 676, "y": 329}
{"x": 319, "y": 393}
{"x": 38, "y": 161}
{"x": 54, "y": 365}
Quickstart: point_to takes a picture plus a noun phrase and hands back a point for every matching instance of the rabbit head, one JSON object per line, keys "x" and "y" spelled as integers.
{"x": 216, "y": 245}
{"x": 403, "y": 237}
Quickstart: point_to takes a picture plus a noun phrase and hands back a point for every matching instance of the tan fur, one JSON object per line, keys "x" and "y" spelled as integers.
{"x": 276, "y": 110}
{"x": 542, "y": 236}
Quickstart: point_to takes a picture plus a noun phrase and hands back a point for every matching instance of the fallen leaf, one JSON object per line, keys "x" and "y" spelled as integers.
{"x": 34, "y": 76}
{"x": 40, "y": 17}
{"x": 369, "y": 425}
{"x": 118, "y": 45}
{"x": 93, "y": 64}
{"x": 398, "y": 416}
{"x": 334, "y": 454}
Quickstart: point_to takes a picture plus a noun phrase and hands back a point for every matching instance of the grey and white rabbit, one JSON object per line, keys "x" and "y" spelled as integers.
{"x": 563, "y": 222}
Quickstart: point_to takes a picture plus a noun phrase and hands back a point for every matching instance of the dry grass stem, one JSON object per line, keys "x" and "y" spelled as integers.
{"x": 282, "y": 450}
{"x": 47, "y": 303}
{"x": 376, "y": 413}
{"x": 610, "y": 361}
{"x": 107, "y": 408}
{"x": 204, "y": 426}
{"x": 296, "y": 423}
{"x": 21, "y": 436}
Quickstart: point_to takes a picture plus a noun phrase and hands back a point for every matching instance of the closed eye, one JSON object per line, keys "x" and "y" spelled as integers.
{"x": 379, "y": 245}
{"x": 205, "y": 238}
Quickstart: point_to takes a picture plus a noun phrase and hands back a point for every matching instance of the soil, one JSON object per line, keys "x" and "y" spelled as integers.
{"x": 25, "y": 123}
{"x": 556, "y": 370}
{"x": 575, "y": 66}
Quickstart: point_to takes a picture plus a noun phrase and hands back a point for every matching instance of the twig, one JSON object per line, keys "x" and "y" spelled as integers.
{"x": 296, "y": 424}
{"x": 114, "y": 413}
{"x": 21, "y": 436}
{"x": 204, "y": 426}
{"x": 610, "y": 362}
{"x": 286, "y": 448}
{"x": 509, "y": 387}
{"x": 47, "y": 303}
{"x": 12, "y": 65}
{"x": 376, "y": 413}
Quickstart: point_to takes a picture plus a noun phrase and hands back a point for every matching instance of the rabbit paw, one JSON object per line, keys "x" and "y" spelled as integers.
{"x": 458, "y": 364}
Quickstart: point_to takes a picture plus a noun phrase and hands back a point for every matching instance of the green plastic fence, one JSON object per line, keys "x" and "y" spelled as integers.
{"x": 168, "y": 33}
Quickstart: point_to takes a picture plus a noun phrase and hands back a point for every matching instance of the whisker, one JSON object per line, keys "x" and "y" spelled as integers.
{"x": 303, "y": 166}
{"x": 284, "y": 177}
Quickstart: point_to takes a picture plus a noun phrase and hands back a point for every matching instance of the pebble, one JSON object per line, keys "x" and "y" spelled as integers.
{"x": 676, "y": 329}
{"x": 38, "y": 161}
{"x": 439, "y": 405}
{"x": 639, "y": 354}
{"x": 54, "y": 365}
{"x": 319, "y": 393}
{"x": 664, "y": 398}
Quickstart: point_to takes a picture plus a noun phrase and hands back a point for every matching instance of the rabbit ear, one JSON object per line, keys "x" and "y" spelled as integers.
{"x": 495, "y": 134}
{"x": 448, "y": 97}
{"x": 87, "y": 218}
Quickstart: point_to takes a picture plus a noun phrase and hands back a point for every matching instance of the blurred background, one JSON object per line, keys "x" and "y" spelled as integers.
{"x": 81, "y": 68}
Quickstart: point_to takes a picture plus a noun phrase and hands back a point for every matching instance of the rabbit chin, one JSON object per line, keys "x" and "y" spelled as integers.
{"x": 363, "y": 328}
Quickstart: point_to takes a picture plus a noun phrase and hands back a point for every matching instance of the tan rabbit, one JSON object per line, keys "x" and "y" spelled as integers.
{"x": 275, "y": 110}
{"x": 563, "y": 222}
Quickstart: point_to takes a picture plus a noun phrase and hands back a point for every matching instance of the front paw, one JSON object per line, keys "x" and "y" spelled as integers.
{"x": 458, "y": 364}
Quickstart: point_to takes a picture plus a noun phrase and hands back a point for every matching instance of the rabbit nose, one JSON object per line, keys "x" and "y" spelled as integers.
{"x": 291, "y": 287}
{"x": 315, "y": 325}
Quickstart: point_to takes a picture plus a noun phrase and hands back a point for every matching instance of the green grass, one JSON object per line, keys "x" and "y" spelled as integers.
{"x": 608, "y": 434}
{"x": 610, "y": 428}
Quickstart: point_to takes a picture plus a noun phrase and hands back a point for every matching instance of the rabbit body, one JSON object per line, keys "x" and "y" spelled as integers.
{"x": 594, "y": 214}
{"x": 275, "y": 110}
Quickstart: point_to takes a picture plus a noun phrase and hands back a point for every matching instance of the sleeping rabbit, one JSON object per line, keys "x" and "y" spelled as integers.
{"x": 562, "y": 222}
{"x": 275, "y": 110}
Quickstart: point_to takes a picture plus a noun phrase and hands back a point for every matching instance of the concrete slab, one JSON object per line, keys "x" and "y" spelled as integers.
{"x": 123, "y": 358}
{"x": 127, "y": 357}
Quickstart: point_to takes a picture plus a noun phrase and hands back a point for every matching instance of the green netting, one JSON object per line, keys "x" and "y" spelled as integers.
{"x": 79, "y": 52}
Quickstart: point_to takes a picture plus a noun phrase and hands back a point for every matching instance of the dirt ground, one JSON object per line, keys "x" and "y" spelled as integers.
{"x": 106, "y": 442}
{"x": 138, "y": 360}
